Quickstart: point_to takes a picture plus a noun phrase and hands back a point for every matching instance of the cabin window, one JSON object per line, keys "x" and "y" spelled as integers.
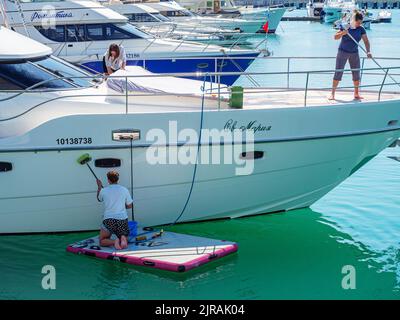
{"x": 94, "y": 32}
{"x": 133, "y": 31}
{"x": 6, "y": 84}
{"x": 55, "y": 34}
{"x": 113, "y": 33}
{"x": 61, "y": 69}
{"x": 141, "y": 17}
{"x": 160, "y": 17}
{"x": 75, "y": 33}
{"x": 43, "y": 73}
{"x": 26, "y": 74}
{"x": 178, "y": 13}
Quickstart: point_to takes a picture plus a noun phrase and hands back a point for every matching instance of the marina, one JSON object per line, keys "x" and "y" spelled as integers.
{"x": 311, "y": 163}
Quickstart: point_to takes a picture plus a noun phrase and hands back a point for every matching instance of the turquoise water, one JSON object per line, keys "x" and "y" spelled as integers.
{"x": 298, "y": 254}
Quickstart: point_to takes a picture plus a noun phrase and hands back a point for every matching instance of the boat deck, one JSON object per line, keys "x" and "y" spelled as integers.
{"x": 270, "y": 98}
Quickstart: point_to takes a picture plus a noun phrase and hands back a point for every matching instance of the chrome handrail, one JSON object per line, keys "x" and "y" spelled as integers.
{"x": 216, "y": 75}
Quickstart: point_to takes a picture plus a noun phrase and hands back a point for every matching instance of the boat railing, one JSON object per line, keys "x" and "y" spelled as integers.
{"x": 216, "y": 90}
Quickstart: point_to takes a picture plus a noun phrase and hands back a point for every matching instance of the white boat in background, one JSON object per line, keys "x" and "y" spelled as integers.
{"x": 345, "y": 21}
{"x": 384, "y": 16}
{"x": 334, "y": 9}
{"x": 228, "y": 9}
{"x": 180, "y": 14}
{"x": 81, "y": 32}
{"x": 51, "y": 113}
{"x": 152, "y": 21}
{"x": 315, "y": 8}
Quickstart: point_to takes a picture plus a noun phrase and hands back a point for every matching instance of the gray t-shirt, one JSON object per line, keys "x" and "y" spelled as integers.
{"x": 115, "y": 197}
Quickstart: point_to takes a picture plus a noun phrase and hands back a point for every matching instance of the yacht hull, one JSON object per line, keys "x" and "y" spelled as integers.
{"x": 47, "y": 191}
{"x": 230, "y": 63}
{"x": 332, "y": 14}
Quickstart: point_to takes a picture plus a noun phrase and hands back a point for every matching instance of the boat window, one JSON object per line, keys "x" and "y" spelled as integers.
{"x": 43, "y": 73}
{"x": 25, "y": 74}
{"x": 6, "y": 84}
{"x": 113, "y": 33}
{"x": 133, "y": 31}
{"x": 160, "y": 17}
{"x": 75, "y": 33}
{"x": 63, "y": 70}
{"x": 94, "y": 32}
{"x": 141, "y": 17}
{"x": 56, "y": 33}
{"x": 178, "y": 13}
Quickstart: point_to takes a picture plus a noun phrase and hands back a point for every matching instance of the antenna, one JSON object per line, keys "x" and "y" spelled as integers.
{"x": 21, "y": 12}
{"x": 4, "y": 14}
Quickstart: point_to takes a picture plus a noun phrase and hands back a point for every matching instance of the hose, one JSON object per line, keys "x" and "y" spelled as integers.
{"x": 197, "y": 156}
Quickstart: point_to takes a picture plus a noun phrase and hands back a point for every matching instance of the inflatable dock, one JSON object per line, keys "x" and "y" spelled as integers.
{"x": 160, "y": 250}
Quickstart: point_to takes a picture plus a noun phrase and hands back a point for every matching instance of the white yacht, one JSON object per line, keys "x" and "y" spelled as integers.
{"x": 314, "y": 8}
{"x": 52, "y": 112}
{"x": 178, "y": 13}
{"x": 228, "y": 8}
{"x": 384, "y": 16}
{"x": 334, "y": 9}
{"x": 152, "y": 21}
{"x": 345, "y": 20}
{"x": 81, "y": 32}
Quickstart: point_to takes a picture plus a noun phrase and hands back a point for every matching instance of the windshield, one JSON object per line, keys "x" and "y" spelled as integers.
{"x": 43, "y": 73}
{"x": 133, "y": 30}
{"x": 160, "y": 17}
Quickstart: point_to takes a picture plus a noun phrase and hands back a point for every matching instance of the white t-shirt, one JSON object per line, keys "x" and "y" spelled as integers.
{"x": 115, "y": 197}
{"x": 115, "y": 64}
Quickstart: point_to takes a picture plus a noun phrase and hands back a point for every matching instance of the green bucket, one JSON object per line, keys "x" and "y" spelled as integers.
{"x": 236, "y": 100}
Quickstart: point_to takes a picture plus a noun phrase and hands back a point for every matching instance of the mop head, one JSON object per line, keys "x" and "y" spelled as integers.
{"x": 83, "y": 159}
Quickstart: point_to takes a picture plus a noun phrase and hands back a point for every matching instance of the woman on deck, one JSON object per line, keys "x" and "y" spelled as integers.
{"x": 348, "y": 51}
{"x": 114, "y": 59}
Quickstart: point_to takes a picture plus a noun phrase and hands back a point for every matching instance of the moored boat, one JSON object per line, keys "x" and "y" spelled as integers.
{"x": 81, "y": 32}
{"x": 281, "y": 148}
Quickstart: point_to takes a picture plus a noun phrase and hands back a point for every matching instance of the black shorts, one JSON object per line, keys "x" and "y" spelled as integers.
{"x": 116, "y": 226}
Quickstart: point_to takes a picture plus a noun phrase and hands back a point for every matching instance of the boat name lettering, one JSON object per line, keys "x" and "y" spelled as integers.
{"x": 254, "y": 125}
{"x": 50, "y": 14}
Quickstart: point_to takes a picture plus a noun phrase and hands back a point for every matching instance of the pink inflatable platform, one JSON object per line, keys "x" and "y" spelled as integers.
{"x": 166, "y": 250}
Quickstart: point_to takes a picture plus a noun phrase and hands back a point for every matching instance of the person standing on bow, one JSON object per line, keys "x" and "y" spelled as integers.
{"x": 348, "y": 51}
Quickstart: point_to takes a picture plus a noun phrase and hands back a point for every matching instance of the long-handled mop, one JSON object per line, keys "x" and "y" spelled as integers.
{"x": 372, "y": 58}
{"x": 85, "y": 159}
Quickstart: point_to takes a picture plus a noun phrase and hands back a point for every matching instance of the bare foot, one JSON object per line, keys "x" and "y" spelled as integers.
{"x": 124, "y": 242}
{"x": 358, "y": 98}
{"x": 331, "y": 97}
{"x": 117, "y": 244}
